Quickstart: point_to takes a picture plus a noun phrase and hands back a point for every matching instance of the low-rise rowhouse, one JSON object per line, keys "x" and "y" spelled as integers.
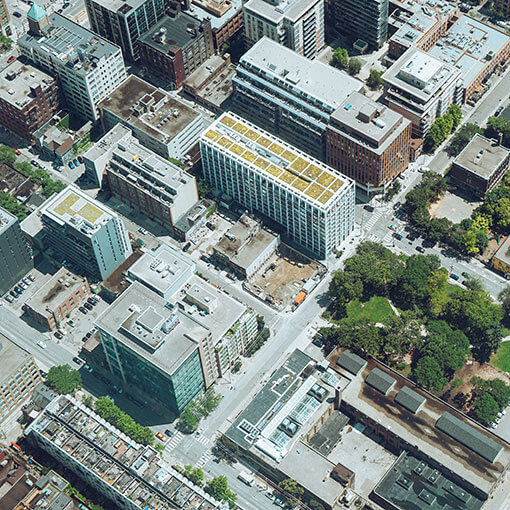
{"x": 501, "y": 259}
{"x": 57, "y": 298}
{"x": 480, "y": 167}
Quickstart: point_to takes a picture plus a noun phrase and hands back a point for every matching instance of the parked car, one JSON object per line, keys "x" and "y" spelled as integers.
{"x": 398, "y": 236}
{"x": 368, "y": 208}
{"x": 12, "y": 58}
{"x": 17, "y": 151}
{"x": 27, "y": 281}
{"x": 161, "y": 437}
{"x": 318, "y": 342}
{"x": 90, "y": 370}
{"x": 59, "y": 335}
{"x": 392, "y": 227}
{"x": 497, "y": 113}
{"x": 421, "y": 249}
{"x": 23, "y": 285}
{"x": 9, "y": 298}
{"x": 88, "y": 306}
{"x": 31, "y": 277}
{"x": 92, "y": 301}
{"x": 18, "y": 289}
{"x": 13, "y": 293}
{"x": 71, "y": 323}
{"x": 169, "y": 433}
{"x": 84, "y": 311}
{"x": 80, "y": 159}
{"x": 84, "y": 339}
{"x": 397, "y": 205}
{"x": 465, "y": 275}
{"x": 71, "y": 165}
{"x": 17, "y": 14}
{"x": 454, "y": 276}
{"x": 78, "y": 361}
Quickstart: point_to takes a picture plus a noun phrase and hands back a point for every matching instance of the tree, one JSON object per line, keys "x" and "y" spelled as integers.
{"x": 225, "y": 449}
{"x": 5, "y": 42}
{"x": 343, "y": 288}
{"x": 12, "y": 205}
{"x": 399, "y": 334}
{"x": 500, "y": 392}
{"x": 340, "y": 58}
{"x": 485, "y": 408}
{"x": 292, "y": 488}
{"x": 462, "y": 137}
{"x": 456, "y": 114}
{"x": 429, "y": 374}
{"x": 7, "y": 155}
{"x": 391, "y": 192}
{"x": 504, "y": 297}
{"x": 63, "y": 379}
{"x": 196, "y": 475}
{"x": 475, "y": 239}
{"x": 501, "y": 214}
{"x": 354, "y": 66}
{"x": 374, "y": 80}
{"x": 24, "y": 168}
{"x": 497, "y": 125}
{"x": 218, "y": 489}
{"x": 315, "y": 505}
{"x": 188, "y": 421}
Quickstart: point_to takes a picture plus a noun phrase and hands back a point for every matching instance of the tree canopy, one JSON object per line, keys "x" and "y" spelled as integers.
{"x": 374, "y": 80}
{"x": 340, "y": 58}
{"x": 63, "y": 379}
{"x": 218, "y": 489}
{"x": 462, "y": 137}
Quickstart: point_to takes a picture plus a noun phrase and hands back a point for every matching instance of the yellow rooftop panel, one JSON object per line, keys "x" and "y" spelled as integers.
{"x": 66, "y": 205}
{"x": 224, "y": 142}
{"x": 251, "y": 135}
{"x": 236, "y": 149}
{"x": 314, "y": 190}
{"x": 228, "y": 121}
{"x": 287, "y": 177}
{"x": 299, "y": 165}
{"x": 248, "y": 156}
{"x": 277, "y": 149}
{"x": 337, "y": 184}
{"x": 325, "y": 196}
{"x": 262, "y": 163}
{"x": 300, "y": 184}
{"x": 212, "y": 135}
{"x": 289, "y": 156}
{"x": 274, "y": 170}
{"x": 240, "y": 128}
{"x": 312, "y": 172}
{"x": 90, "y": 213}
{"x": 264, "y": 141}
{"x": 325, "y": 179}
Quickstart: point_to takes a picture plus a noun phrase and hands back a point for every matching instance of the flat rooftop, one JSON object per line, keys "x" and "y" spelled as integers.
{"x": 276, "y": 160}
{"x": 140, "y": 319}
{"x": 6, "y": 220}
{"x": 469, "y": 45}
{"x": 71, "y": 43}
{"x": 18, "y": 80}
{"x": 285, "y": 9}
{"x": 149, "y": 109}
{"x": 11, "y": 357}
{"x": 116, "y": 5}
{"x": 61, "y": 286}
{"x": 178, "y": 32}
{"x": 482, "y": 156}
{"x": 368, "y": 122}
{"x": 420, "y": 429}
{"x": 107, "y": 142}
{"x": 162, "y": 269}
{"x": 217, "y": 12}
{"x": 302, "y": 76}
{"x": 75, "y": 208}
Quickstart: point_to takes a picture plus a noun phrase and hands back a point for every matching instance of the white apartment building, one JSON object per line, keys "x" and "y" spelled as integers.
{"x": 312, "y": 202}
{"x": 421, "y": 88}
{"x": 83, "y": 232}
{"x": 88, "y": 66}
{"x": 297, "y": 24}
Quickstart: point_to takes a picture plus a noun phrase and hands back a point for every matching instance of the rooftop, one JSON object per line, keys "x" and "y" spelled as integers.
{"x": 124, "y": 6}
{"x": 420, "y": 429}
{"x": 291, "y": 10}
{"x": 135, "y": 471}
{"x": 303, "y": 78}
{"x": 151, "y": 110}
{"x": 411, "y": 400}
{"x": 75, "y": 208}
{"x": 363, "y": 119}
{"x": 275, "y": 159}
{"x": 6, "y": 220}
{"x": 503, "y": 252}
{"x": 380, "y": 380}
{"x": 217, "y": 11}
{"x": 108, "y": 142}
{"x": 169, "y": 32}
{"x": 351, "y": 362}
{"x": 140, "y": 319}
{"x": 469, "y": 45}
{"x": 11, "y": 357}
{"x": 57, "y": 289}
{"x": 19, "y": 81}
{"x": 482, "y": 156}
{"x": 72, "y": 44}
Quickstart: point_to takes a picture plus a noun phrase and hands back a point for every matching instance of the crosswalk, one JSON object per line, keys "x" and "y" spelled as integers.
{"x": 387, "y": 237}
{"x": 206, "y": 457}
{"x": 176, "y": 439}
{"x": 203, "y": 440}
{"x": 373, "y": 220}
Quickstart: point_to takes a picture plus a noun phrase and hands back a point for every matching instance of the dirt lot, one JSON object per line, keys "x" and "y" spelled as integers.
{"x": 284, "y": 281}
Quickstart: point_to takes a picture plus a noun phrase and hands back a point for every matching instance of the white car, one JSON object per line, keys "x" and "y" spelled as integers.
{"x": 41, "y": 344}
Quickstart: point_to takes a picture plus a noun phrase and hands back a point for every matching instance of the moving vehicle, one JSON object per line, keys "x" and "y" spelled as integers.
{"x": 454, "y": 276}
{"x": 59, "y": 335}
{"x": 397, "y": 205}
{"x": 398, "y": 236}
{"x": 161, "y": 437}
{"x": 17, "y": 151}
{"x": 421, "y": 249}
{"x": 368, "y": 208}
{"x": 392, "y": 227}
{"x": 41, "y": 344}
{"x": 17, "y": 14}
{"x": 247, "y": 478}
{"x": 496, "y": 114}
{"x": 169, "y": 433}
{"x": 12, "y": 58}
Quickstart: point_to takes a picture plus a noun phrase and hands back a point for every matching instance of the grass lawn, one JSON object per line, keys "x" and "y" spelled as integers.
{"x": 377, "y": 309}
{"x": 502, "y": 358}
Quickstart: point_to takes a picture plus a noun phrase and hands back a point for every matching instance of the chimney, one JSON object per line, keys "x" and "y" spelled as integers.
{"x": 500, "y": 138}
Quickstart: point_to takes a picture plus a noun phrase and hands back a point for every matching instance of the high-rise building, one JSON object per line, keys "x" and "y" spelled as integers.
{"x": 29, "y": 98}
{"x": 368, "y": 142}
{"x": 83, "y": 232}
{"x": 312, "y": 203}
{"x": 299, "y": 24}
{"x": 88, "y": 67}
{"x": 175, "y": 47}
{"x": 421, "y": 88}
{"x": 18, "y": 378}
{"x": 289, "y": 95}
{"x": 124, "y": 22}
{"x": 4, "y": 19}
{"x": 15, "y": 254}
{"x": 363, "y": 19}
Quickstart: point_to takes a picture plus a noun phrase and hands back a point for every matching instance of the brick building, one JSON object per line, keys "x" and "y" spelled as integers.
{"x": 368, "y": 142}
{"x": 176, "y": 46}
{"x": 29, "y": 98}
{"x": 61, "y": 294}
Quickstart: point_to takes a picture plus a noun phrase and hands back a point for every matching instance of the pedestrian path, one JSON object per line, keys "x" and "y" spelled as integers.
{"x": 387, "y": 237}
{"x": 373, "y": 219}
{"x": 203, "y": 440}
{"x": 176, "y": 439}
{"x": 206, "y": 457}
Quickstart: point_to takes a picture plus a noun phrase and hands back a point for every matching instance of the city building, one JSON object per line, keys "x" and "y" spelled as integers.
{"x": 15, "y": 254}
{"x": 421, "y": 88}
{"x": 418, "y": 24}
{"x": 162, "y": 351}
{"x": 211, "y": 83}
{"x": 115, "y": 284}
{"x": 480, "y": 167}
{"x": 363, "y": 21}
{"x": 246, "y": 246}
{"x": 161, "y": 122}
{"x": 289, "y": 95}
{"x": 476, "y": 49}
{"x": 82, "y": 232}
{"x": 18, "y": 378}
{"x": 5, "y": 28}
{"x": 123, "y": 22}
{"x": 501, "y": 259}
{"x": 88, "y": 67}
{"x": 312, "y": 203}
{"x": 193, "y": 219}
{"x": 298, "y": 25}
{"x": 175, "y": 47}
{"x": 368, "y": 142}
{"x": 142, "y": 179}
{"x": 29, "y": 98}
{"x": 57, "y": 298}
{"x": 130, "y": 475}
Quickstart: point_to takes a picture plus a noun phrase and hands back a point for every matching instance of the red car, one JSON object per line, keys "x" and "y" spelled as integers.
{"x": 18, "y": 152}
{"x": 12, "y": 58}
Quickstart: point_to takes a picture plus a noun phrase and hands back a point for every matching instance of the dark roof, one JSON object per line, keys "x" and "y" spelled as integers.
{"x": 470, "y": 437}
{"x": 380, "y": 380}
{"x": 409, "y": 399}
{"x": 351, "y": 362}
